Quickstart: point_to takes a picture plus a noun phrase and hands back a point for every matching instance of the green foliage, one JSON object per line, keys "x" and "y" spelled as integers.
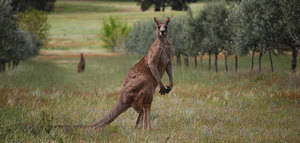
{"x": 249, "y": 35}
{"x": 262, "y": 23}
{"x": 160, "y": 5}
{"x": 234, "y": 28}
{"x": 141, "y": 37}
{"x": 235, "y": 43}
{"x": 7, "y": 29}
{"x": 43, "y": 5}
{"x": 198, "y": 31}
{"x": 35, "y": 22}
{"x": 113, "y": 33}
{"x": 291, "y": 15}
{"x": 16, "y": 45}
{"x": 210, "y": 30}
{"x": 179, "y": 35}
{"x": 27, "y": 45}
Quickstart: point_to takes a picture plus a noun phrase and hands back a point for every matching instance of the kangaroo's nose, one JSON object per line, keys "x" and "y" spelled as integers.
{"x": 162, "y": 29}
{"x": 162, "y": 33}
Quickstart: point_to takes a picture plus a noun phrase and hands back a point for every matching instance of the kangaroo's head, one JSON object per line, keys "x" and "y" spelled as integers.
{"x": 161, "y": 28}
{"x": 81, "y": 56}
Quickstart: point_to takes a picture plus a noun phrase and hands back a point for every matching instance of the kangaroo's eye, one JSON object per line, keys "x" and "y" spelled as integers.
{"x": 158, "y": 27}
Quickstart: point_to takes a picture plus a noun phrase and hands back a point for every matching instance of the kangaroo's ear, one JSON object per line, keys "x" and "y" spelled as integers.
{"x": 156, "y": 21}
{"x": 167, "y": 20}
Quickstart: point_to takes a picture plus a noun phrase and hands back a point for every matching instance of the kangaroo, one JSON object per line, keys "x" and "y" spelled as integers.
{"x": 142, "y": 79}
{"x": 81, "y": 64}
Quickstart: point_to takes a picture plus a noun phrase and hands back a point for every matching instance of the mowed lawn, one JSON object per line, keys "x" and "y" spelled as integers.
{"x": 76, "y": 24}
{"x": 204, "y": 106}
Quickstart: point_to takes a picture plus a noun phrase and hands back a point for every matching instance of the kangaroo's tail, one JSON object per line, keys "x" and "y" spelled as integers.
{"x": 73, "y": 126}
{"x": 112, "y": 115}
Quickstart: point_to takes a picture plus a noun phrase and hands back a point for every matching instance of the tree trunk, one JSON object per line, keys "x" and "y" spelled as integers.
{"x": 201, "y": 60}
{"x": 1, "y": 67}
{"x": 195, "y": 61}
{"x": 113, "y": 49}
{"x": 163, "y": 5}
{"x": 259, "y": 60}
{"x": 252, "y": 59}
{"x": 14, "y": 64}
{"x": 178, "y": 59}
{"x": 236, "y": 67}
{"x": 294, "y": 58}
{"x": 186, "y": 61}
{"x": 157, "y": 6}
{"x": 209, "y": 60}
{"x": 226, "y": 65}
{"x": 271, "y": 60}
{"x": 216, "y": 61}
{"x": 9, "y": 65}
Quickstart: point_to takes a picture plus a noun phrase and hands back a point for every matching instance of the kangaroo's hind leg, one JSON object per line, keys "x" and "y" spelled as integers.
{"x": 147, "y": 119}
{"x": 139, "y": 120}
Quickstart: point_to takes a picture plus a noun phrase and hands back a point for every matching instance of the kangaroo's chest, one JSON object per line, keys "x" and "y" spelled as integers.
{"x": 165, "y": 57}
{"x": 164, "y": 61}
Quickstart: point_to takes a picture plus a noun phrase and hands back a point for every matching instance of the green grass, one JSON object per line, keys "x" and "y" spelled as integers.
{"x": 203, "y": 106}
{"x": 75, "y": 7}
{"x": 79, "y": 22}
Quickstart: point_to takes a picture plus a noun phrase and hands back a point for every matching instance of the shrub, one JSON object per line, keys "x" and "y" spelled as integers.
{"x": 113, "y": 33}
{"x": 35, "y": 22}
{"x": 15, "y": 44}
{"x": 141, "y": 37}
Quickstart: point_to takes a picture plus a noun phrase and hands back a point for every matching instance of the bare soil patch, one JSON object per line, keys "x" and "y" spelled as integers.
{"x": 73, "y": 53}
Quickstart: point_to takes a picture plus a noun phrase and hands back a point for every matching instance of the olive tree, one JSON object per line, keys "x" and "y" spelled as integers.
{"x": 197, "y": 34}
{"x": 291, "y": 35}
{"x": 215, "y": 25}
{"x": 179, "y": 36}
{"x": 248, "y": 32}
{"x": 201, "y": 37}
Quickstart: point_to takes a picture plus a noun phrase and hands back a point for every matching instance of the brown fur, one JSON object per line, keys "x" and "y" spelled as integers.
{"x": 139, "y": 85}
{"x": 81, "y": 64}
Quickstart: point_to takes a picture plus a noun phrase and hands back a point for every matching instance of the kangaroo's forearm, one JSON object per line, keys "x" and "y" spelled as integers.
{"x": 170, "y": 74}
{"x": 155, "y": 74}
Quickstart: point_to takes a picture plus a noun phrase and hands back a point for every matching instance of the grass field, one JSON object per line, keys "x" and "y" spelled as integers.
{"x": 75, "y": 24}
{"x": 203, "y": 107}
